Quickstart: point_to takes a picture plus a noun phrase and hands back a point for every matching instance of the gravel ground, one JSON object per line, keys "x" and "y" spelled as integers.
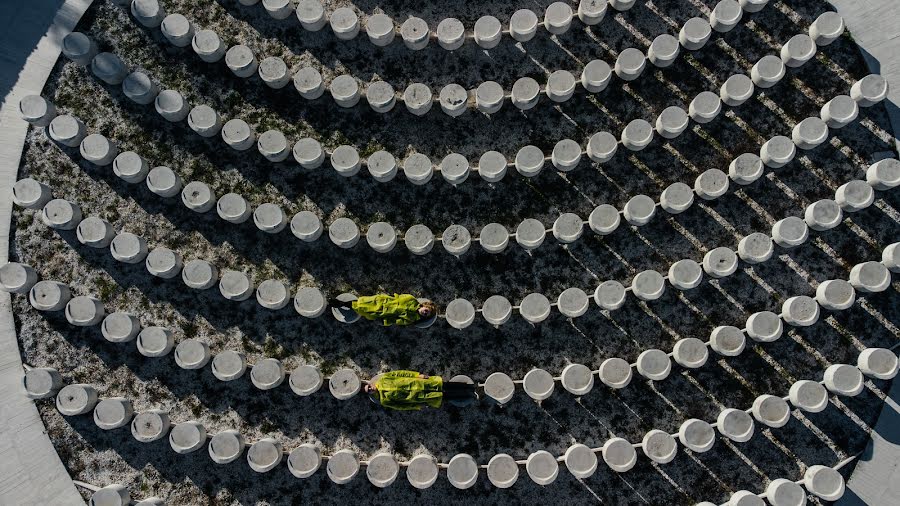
{"x": 523, "y": 426}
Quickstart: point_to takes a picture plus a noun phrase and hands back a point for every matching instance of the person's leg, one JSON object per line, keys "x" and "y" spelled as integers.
{"x": 333, "y": 302}
{"x": 456, "y": 391}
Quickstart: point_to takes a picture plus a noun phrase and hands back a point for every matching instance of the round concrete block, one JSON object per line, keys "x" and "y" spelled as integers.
{"x": 581, "y": 461}
{"x": 415, "y": 34}
{"x": 306, "y": 226}
{"x": 824, "y": 482}
{"x": 798, "y": 50}
{"x": 764, "y": 326}
{"x": 345, "y": 314}
{"x": 308, "y": 83}
{"x": 187, "y": 437}
{"x": 79, "y": 48}
{"x": 639, "y": 210}
{"x": 619, "y": 454}
{"x": 878, "y": 363}
{"x": 205, "y": 121}
{"x": 499, "y": 387}
{"x": 621, "y": 5}
{"x": 344, "y": 233}
{"x": 809, "y": 133}
{"x": 163, "y": 181}
{"x": 149, "y": 426}
{"x": 311, "y": 15}
{"x": 76, "y": 399}
{"x": 192, "y": 354}
{"x": 380, "y": 29}
{"x": 736, "y": 90}
{"x": 422, "y": 472}
{"x": 451, "y": 34}
{"x": 735, "y": 424}
{"x": 755, "y": 248}
{"x": 139, "y": 88}
{"x": 854, "y": 196}
{"x": 839, "y": 112}
{"x": 49, "y": 296}
{"x": 98, "y": 150}
{"x": 31, "y": 194}
{"x": 690, "y": 352}
{"x": 199, "y": 274}
{"x": 456, "y": 240}
{"x": 229, "y": 365}
{"x": 685, "y": 274}
{"x": 697, "y": 435}
{"x": 462, "y": 471}
{"x": 344, "y": 23}
{"x": 67, "y": 130}
{"x": 382, "y": 470}
{"x": 535, "y": 308}
{"x": 267, "y": 374}
{"x": 41, "y": 382}
{"x": 630, "y": 63}
{"x": 694, "y": 34}
{"x": 720, "y": 262}
{"x": 835, "y": 294}
{"x": 578, "y": 379}
{"x": 605, "y": 219}
{"x": 304, "y": 460}
{"x": 310, "y": 302}
{"x": 560, "y": 86}
{"x": 128, "y": 248}
{"x": 609, "y": 295}
{"x": 711, "y": 184}
{"x": 274, "y": 72}
{"x": 273, "y": 145}
{"x": 95, "y": 232}
{"x": 890, "y": 257}
{"x": 487, "y": 32}
{"x": 538, "y": 384}
{"x": 727, "y": 340}
{"x": 523, "y": 25}
{"x": 615, "y": 373}
{"x": 529, "y": 161}
{"x": 648, "y": 285}
{"x": 208, "y": 46}
{"x": 489, "y": 97}
{"x": 654, "y": 365}
{"x": 502, "y": 471}
{"x": 566, "y": 155}
{"x": 663, "y": 50}
{"x": 148, "y": 12}
{"x": 843, "y": 379}
{"x": 270, "y": 218}
{"x": 572, "y": 302}
{"x": 542, "y": 467}
{"x": 884, "y": 174}
{"x": 676, "y": 198}
{"x": 790, "y": 232}
{"x": 637, "y": 135}
{"x": 113, "y": 413}
{"x": 496, "y": 310}
{"x": 493, "y": 238}
{"x": 111, "y": 495}
{"x": 83, "y": 311}
{"x": 305, "y": 380}
{"x": 869, "y": 90}
{"x": 381, "y": 237}
{"x": 591, "y": 12}
{"x": 308, "y": 153}
{"x": 273, "y": 294}
{"x": 753, "y": 5}
{"x": 164, "y": 263}
{"x": 659, "y": 446}
{"x": 558, "y": 18}
{"x": 344, "y": 90}
{"x": 602, "y": 147}
{"x": 771, "y": 411}
{"x": 725, "y": 15}
{"x": 238, "y": 135}
{"x": 226, "y": 446}
{"x": 492, "y": 166}
{"x": 705, "y": 107}
{"x": 233, "y": 208}
{"x": 745, "y": 498}
{"x": 418, "y": 98}
{"x": 671, "y": 122}
{"x": 530, "y": 233}
{"x": 767, "y": 71}
{"x": 235, "y": 286}
{"x": 455, "y": 168}
{"x": 342, "y": 467}
{"x": 808, "y": 396}
{"x": 37, "y": 110}
{"x": 800, "y": 311}
{"x": 823, "y": 215}
{"x": 155, "y": 342}
{"x": 17, "y": 278}
{"x": 525, "y": 93}
{"x": 120, "y": 327}
{"x": 264, "y": 455}
{"x": 171, "y": 106}
{"x": 345, "y": 160}
{"x": 453, "y": 99}
{"x": 177, "y": 29}
{"x": 381, "y": 96}
{"x": 344, "y": 384}
{"x": 130, "y": 167}
{"x": 419, "y": 239}
{"x": 568, "y": 228}
{"x": 109, "y": 68}
{"x": 418, "y": 169}
{"x": 782, "y": 492}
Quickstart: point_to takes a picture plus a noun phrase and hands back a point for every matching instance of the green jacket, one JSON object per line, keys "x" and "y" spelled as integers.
{"x": 405, "y": 390}
{"x": 390, "y": 309}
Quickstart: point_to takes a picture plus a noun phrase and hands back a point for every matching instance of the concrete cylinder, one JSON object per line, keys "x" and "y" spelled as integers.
{"x": 381, "y": 237}
{"x": 345, "y": 90}
{"x": 630, "y": 63}
{"x": 187, "y": 437}
{"x": 639, "y": 210}
{"x": 685, "y": 274}
{"x": 672, "y": 122}
{"x": 451, "y": 34}
{"x": 878, "y": 363}
{"x": 306, "y": 226}
{"x": 274, "y": 72}
{"x": 529, "y": 161}
{"x": 342, "y": 467}
{"x": 824, "y": 482}
{"x": 777, "y": 151}
{"x": 267, "y": 374}
{"x": 83, "y": 311}
{"x": 568, "y": 228}
{"x": 869, "y": 90}
{"x": 676, "y": 198}
{"x": 542, "y": 467}
{"x": 418, "y": 98}
{"x": 383, "y": 470}
{"x": 619, "y": 454}
{"x": 843, "y": 379}
{"x": 496, "y": 310}
{"x": 311, "y": 15}
{"x": 697, "y": 435}
{"x": 870, "y": 277}
{"x": 76, "y": 399}
{"x": 526, "y": 92}
{"x": 782, "y": 492}
{"x": 109, "y": 68}
{"x": 609, "y": 295}
{"x": 192, "y": 354}
{"x": 149, "y": 426}
{"x": 130, "y": 167}
{"x": 659, "y": 446}
{"x": 305, "y": 380}
{"x": 98, "y": 150}
{"x": 453, "y": 99}
{"x": 771, "y": 411}
{"x": 523, "y": 25}
{"x": 705, "y": 107}
{"x": 767, "y": 71}
{"x": 198, "y": 197}
{"x": 61, "y": 214}
{"x": 229, "y": 365}
{"x": 823, "y": 214}
{"x": 381, "y": 96}
{"x": 881, "y": 175}
{"x": 128, "y": 248}
{"x": 269, "y": 218}
{"x": 798, "y": 50}
{"x": 663, "y": 50}
{"x": 800, "y": 311}
{"x": 489, "y": 97}
{"x": 415, "y": 33}
{"x": 113, "y": 412}
{"x": 487, "y": 32}
{"x": 572, "y": 302}
{"x": 735, "y": 424}
{"x": 171, "y": 106}
{"x": 344, "y": 384}
{"x": 120, "y": 327}
{"x": 558, "y": 18}
{"x": 304, "y": 461}
{"x": 462, "y": 471}
{"x": 538, "y": 384}
{"x": 753, "y": 5}
{"x": 736, "y": 90}
{"x": 809, "y": 133}
{"x": 566, "y": 155}
{"x": 890, "y": 257}
{"x": 690, "y": 352}
{"x": 577, "y": 379}
{"x": 239, "y": 136}
{"x": 241, "y": 60}
{"x": 226, "y": 446}
{"x": 456, "y": 239}
{"x": 694, "y": 34}
{"x": 382, "y": 166}
{"x": 344, "y": 23}
{"x": 208, "y": 46}
{"x": 155, "y": 342}
{"x": 139, "y": 88}
{"x": 621, "y": 5}
{"x": 654, "y": 365}
{"x": 535, "y": 308}
{"x": 273, "y": 145}
{"x": 854, "y": 196}
{"x": 273, "y": 294}
{"x": 502, "y": 471}
{"x": 530, "y": 234}
{"x": 205, "y": 121}
{"x": 344, "y": 233}
{"x": 148, "y": 12}
{"x": 37, "y": 110}
{"x": 595, "y": 77}
{"x": 648, "y": 285}
{"x": 720, "y": 262}
{"x": 42, "y": 382}
{"x": 380, "y": 29}
{"x": 460, "y": 313}
{"x": 278, "y": 9}
{"x": 591, "y": 12}
{"x": 725, "y": 15}
{"x": 790, "y": 232}
{"x": 746, "y": 168}
{"x": 727, "y": 340}
{"x": 67, "y": 130}
{"x": 615, "y": 373}
{"x": 308, "y": 153}
{"x": 235, "y": 286}
{"x": 17, "y": 277}
{"x": 637, "y": 135}
{"x": 826, "y": 28}
{"x": 31, "y": 194}
{"x": 264, "y": 455}
{"x": 111, "y": 495}
{"x": 835, "y": 294}
{"x": 79, "y": 48}
{"x": 178, "y": 30}
{"x": 310, "y": 302}
{"x": 164, "y": 263}
{"x": 308, "y": 82}
{"x": 560, "y": 86}
{"x": 764, "y": 326}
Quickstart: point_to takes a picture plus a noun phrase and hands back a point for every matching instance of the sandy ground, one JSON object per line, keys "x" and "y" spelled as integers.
{"x": 523, "y": 426}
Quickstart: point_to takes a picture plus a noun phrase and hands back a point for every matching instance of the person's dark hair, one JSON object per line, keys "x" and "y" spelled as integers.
{"x": 430, "y": 307}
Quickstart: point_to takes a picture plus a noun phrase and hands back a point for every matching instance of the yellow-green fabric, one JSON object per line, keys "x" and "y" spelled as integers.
{"x": 405, "y": 390}
{"x": 389, "y": 309}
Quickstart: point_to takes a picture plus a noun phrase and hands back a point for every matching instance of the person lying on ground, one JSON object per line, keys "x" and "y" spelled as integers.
{"x": 397, "y": 309}
{"x": 411, "y": 390}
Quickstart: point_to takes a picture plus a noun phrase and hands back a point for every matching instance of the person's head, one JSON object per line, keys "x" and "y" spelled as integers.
{"x": 427, "y": 309}
{"x": 369, "y": 387}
